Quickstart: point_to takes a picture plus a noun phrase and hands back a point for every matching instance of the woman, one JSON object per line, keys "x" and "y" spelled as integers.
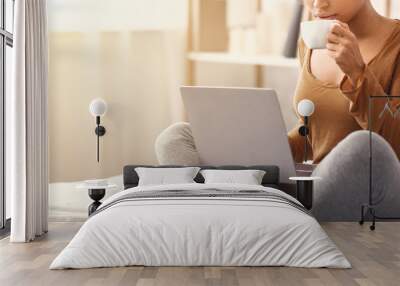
{"x": 361, "y": 59}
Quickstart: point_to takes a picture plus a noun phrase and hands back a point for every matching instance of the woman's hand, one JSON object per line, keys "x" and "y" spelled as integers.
{"x": 344, "y": 49}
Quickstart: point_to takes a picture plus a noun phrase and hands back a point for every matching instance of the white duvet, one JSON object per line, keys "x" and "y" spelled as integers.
{"x": 193, "y": 231}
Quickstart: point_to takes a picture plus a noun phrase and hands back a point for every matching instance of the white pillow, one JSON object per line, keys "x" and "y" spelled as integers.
{"x": 248, "y": 177}
{"x": 165, "y": 176}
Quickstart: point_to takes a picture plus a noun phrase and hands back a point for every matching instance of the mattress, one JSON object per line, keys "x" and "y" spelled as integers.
{"x": 201, "y": 225}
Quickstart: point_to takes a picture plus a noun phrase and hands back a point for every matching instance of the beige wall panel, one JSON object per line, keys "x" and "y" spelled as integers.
{"x": 241, "y": 13}
{"x": 273, "y": 25}
{"x": 209, "y": 25}
{"x": 130, "y": 71}
{"x": 217, "y": 74}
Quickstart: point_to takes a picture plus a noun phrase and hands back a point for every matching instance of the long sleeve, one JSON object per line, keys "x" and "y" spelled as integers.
{"x": 369, "y": 85}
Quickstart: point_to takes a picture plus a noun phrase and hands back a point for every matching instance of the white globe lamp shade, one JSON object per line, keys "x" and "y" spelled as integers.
{"x": 98, "y": 107}
{"x": 305, "y": 107}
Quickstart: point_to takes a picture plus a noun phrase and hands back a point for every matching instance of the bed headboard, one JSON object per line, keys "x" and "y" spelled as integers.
{"x": 270, "y": 179}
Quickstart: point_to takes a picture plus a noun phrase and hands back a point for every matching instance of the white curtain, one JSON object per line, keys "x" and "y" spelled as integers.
{"x": 27, "y": 158}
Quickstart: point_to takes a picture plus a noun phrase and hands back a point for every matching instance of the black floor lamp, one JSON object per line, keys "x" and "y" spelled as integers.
{"x": 370, "y": 206}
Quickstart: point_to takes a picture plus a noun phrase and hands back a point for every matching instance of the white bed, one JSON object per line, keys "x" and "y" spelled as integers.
{"x": 202, "y": 231}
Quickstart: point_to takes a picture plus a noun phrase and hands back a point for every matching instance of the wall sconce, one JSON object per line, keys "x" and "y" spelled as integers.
{"x": 305, "y": 108}
{"x": 98, "y": 107}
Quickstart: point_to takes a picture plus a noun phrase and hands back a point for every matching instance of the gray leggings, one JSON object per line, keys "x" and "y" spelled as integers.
{"x": 344, "y": 172}
{"x": 345, "y": 179}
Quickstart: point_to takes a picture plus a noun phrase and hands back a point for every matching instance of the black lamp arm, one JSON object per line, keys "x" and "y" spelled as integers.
{"x": 100, "y": 131}
{"x": 304, "y": 131}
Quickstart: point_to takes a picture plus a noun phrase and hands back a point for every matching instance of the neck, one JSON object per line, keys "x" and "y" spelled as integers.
{"x": 367, "y": 14}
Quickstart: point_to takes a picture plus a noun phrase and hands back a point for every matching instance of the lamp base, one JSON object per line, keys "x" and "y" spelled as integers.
{"x": 304, "y": 131}
{"x": 100, "y": 130}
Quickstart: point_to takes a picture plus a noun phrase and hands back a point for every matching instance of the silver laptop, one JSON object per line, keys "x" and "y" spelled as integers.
{"x": 239, "y": 126}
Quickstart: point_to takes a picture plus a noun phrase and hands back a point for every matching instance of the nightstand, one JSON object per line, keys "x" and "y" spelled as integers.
{"x": 304, "y": 191}
{"x": 96, "y": 193}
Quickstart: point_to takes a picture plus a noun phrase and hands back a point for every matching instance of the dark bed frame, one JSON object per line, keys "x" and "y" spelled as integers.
{"x": 270, "y": 179}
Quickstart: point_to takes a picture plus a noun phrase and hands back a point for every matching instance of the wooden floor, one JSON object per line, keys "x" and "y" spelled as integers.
{"x": 375, "y": 257}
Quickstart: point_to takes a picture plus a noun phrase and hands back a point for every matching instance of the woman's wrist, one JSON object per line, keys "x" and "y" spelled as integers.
{"x": 356, "y": 75}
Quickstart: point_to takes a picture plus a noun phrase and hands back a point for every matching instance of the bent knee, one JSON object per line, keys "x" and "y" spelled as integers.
{"x": 176, "y": 132}
{"x": 175, "y": 145}
{"x": 359, "y": 138}
{"x": 361, "y": 141}
{"x": 352, "y": 154}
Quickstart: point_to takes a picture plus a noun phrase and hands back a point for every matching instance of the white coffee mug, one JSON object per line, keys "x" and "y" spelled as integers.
{"x": 315, "y": 33}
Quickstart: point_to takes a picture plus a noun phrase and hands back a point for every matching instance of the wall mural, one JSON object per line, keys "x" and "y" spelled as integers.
{"x": 137, "y": 65}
